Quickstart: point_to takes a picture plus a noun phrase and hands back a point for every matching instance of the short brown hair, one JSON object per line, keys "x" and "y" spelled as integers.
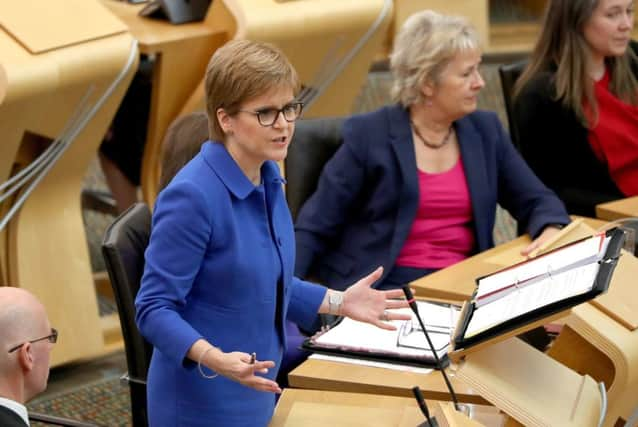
{"x": 241, "y": 70}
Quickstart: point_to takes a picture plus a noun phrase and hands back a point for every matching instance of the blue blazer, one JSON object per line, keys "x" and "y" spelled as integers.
{"x": 367, "y": 196}
{"x": 219, "y": 266}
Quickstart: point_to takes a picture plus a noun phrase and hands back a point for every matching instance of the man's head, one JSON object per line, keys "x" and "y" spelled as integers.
{"x": 26, "y": 340}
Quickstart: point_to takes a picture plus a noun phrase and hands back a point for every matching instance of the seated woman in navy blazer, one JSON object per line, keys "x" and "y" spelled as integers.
{"x": 415, "y": 185}
{"x": 218, "y": 282}
{"x": 577, "y": 103}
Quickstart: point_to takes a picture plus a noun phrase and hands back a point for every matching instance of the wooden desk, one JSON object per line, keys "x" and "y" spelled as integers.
{"x": 622, "y": 208}
{"x": 309, "y": 408}
{"x": 594, "y": 340}
{"x": 181, "y": 54}
{"x": 46, "y": 76}
{"x": 330, "y": 376}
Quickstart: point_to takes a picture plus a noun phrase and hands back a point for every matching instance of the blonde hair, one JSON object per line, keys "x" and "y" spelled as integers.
{"x": 562, "y": 46}
{"x": 241, "y": 70}
{"x": 426, "y": 43}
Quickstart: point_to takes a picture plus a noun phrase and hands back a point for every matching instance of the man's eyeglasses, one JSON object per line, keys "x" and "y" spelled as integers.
{"x": 52, "y": 338}
{"x": 268, "y": 116}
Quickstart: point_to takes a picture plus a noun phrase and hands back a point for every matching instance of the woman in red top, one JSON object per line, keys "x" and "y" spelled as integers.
{"x": 577, "y": 103}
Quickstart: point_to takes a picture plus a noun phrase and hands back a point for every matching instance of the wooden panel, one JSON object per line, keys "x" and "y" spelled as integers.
{"x": 41, "y": 26}
{"x": 618, "y": 209}
{"x": 331, "y": 376}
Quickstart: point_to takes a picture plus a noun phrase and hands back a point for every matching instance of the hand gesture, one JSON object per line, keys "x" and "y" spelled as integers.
{"x": 237, "y": 367}
{"x": 361, "y": 302}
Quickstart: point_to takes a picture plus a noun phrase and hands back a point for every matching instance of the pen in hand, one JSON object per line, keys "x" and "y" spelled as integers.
{"x": 253, "y": 357}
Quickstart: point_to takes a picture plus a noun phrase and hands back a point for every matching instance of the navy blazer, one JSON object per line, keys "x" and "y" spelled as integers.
{"x": 367, "y": 196}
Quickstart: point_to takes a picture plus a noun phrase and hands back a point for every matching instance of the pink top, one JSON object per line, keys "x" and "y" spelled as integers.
{"x": 442, "y": 232}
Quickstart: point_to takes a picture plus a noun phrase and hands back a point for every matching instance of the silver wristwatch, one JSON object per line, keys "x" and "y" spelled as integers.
{"x": 335, "y": 301}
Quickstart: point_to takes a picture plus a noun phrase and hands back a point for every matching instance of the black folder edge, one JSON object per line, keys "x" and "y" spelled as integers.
{"x": 421, "y": 362}
{"x": 601, "y": 284}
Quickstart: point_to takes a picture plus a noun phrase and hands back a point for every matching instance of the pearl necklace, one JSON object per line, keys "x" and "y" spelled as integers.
{"x": 427, "y": 143}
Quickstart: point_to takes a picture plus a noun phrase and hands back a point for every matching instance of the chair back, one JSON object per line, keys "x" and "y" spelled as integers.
{"x": 123, "y": 249}
{"x": 313, "y": 144}
{"x": 509, "y": 73}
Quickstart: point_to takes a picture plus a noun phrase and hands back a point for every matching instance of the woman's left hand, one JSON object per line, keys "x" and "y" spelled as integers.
{"x": 548, "y": 233}
{"x": 361, "y": 302}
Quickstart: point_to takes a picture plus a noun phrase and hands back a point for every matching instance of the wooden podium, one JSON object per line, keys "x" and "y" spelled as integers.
{"x": 531, "y": 387}
{"x": 599, "y": 338}
{"x": 313, "y": 408}
{"x": 52, "y": 53}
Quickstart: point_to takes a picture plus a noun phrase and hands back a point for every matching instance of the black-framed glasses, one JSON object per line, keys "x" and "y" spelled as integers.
{"x": 268, "y": 116}
{"x": 52, "y": 338}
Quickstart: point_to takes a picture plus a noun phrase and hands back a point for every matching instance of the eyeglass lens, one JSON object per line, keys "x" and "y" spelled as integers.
{"x": 268, "y": 116}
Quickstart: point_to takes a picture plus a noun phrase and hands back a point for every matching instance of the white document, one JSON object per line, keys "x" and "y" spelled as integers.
{"x": 549, "y": 288}
{"x": 371, "y": 363}
{"x": 407, "y": 340}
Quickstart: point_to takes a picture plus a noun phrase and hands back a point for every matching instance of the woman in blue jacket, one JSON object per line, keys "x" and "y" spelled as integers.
{"x": 415, "y": 185}
{"x": 218, "y": 283}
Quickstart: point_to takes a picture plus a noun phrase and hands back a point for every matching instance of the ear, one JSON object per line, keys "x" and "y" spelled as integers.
{"x": 224, "y": 120}
{"x": 428, "y": 88}
{"x": 25, "y": 358}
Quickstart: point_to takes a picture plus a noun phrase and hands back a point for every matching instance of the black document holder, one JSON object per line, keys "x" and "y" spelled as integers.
{"x": 601, "y": 284}
{"x": 420, "y": 361}
{"x": 176, "y": 11}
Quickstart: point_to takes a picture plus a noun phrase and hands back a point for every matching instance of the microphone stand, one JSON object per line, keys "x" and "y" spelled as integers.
{"x": 410, "y": 297}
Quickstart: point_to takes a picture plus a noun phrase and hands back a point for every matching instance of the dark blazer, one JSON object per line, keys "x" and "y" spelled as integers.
{"x": 552, "y": 137}
{"x": 367, "y": 196}
{"x": 8, "y": 418}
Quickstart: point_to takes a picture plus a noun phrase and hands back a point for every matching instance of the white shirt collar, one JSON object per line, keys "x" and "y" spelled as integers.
{"x": 16, "y": 407}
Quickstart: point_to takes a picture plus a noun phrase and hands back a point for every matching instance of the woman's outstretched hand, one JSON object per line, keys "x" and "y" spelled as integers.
{"x": 237, "y": 366}
{"x": 363, "y": 303}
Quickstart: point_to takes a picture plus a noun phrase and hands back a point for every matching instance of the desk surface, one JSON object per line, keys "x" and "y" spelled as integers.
{"x": 302, "y": 407}
{"x": 153, "y": 34}
{"x": 622, "y": 208}
{"x": 328, "y": 375}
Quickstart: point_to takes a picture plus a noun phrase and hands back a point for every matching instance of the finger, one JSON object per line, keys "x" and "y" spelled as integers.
{"x": 264, "y": 384}
{"x": 264, "y": 364}
{"x": 530, "y": 248}
{"x": 394, "y": 294}
{"x": 396, "y": 304}
{"x": 384, "y": 325}
{"x": 397, "y": 316}
{"x": 371, "y": 278}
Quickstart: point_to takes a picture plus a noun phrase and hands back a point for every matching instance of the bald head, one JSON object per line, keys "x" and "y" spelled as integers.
{"x": 22, "y": 315}
{"x": 23, "y": 319}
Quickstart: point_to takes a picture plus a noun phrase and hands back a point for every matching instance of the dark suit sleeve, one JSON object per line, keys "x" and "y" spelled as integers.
{"x": 322, "y": 217}
{"x": 521, "y": 192}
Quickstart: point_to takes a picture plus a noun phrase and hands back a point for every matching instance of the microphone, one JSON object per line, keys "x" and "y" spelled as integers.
{"x": 424, "y": 408}
{"x": 410, "y": 297}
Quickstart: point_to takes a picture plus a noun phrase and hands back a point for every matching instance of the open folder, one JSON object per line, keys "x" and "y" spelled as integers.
{"x": 538, "y": 288}
{"x": 406, "y": 344}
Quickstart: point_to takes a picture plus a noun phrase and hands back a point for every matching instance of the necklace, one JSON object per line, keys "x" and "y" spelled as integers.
{"x": 427, "y": 143}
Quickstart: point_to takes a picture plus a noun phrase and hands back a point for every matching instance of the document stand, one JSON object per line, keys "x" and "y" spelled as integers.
{"x": 530, "y": 387}
{"x": 600, "y": 339}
